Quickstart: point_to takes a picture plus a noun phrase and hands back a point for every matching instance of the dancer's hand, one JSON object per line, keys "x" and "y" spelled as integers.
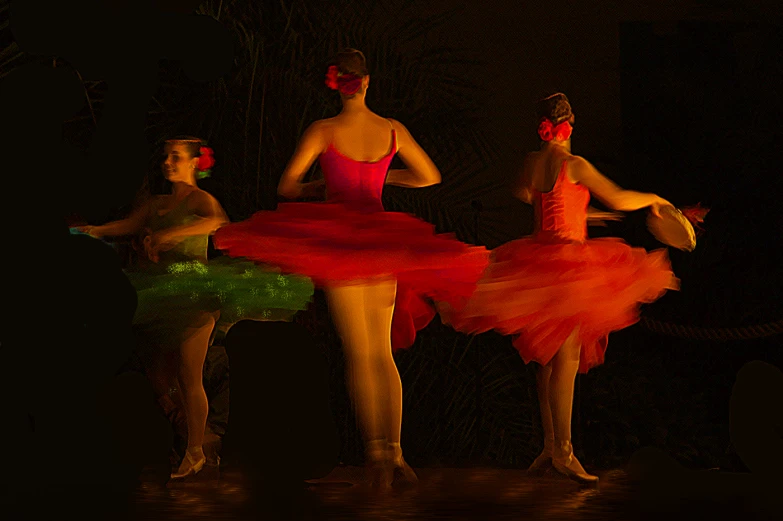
{"x": 149, "y": 250}
{"x": 659, "y": 203}
{"x": 92, "y": 231}
{"x": 157, "y": 242}
{"x": 599, "y": 218}
{"x": 314, "y": 189}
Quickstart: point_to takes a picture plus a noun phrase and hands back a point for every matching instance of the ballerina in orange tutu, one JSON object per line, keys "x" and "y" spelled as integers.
{"x": 557, "y": 291}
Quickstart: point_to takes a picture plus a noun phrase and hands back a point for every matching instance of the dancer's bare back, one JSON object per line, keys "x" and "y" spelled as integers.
{"x": 362, "y": 136}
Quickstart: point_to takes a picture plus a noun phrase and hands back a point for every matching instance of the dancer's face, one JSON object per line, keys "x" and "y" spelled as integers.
{"x": 178, "y": 164}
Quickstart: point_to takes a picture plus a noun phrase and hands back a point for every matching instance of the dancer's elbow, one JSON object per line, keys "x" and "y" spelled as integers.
{"x": 430, "y": 182}
{"x": 430, "y": 178}
{"x": 288, "y": 192}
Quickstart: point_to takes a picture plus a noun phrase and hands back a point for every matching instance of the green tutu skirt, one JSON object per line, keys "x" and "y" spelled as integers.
{"x": 184, "y": 295}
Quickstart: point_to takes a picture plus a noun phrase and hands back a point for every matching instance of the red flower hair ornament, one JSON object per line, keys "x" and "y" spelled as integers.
{"x": 347, "y": 84}
{"x": 547, "y": 131}
{"x": 206, "y": 161}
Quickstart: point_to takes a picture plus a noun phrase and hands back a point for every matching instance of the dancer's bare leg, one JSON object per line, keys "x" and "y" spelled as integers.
{"x": 565, "y": 365}
{"x": 544, "y": 460}
{"x": 193, "y": 352}
{"x": 347, "y": 305}
{"x": 379, "y": 305}
{"x": 379, "y": 308}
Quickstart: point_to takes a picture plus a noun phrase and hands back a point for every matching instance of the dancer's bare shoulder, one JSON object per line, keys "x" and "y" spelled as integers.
{"x": 314, "y": 141}
{"x": 322, "y": 126}
{"x": 577, "y": 168}
{"x": 404, "y": 138}
{"x": 199, "y": 196}
{"x": 204, "y": 204}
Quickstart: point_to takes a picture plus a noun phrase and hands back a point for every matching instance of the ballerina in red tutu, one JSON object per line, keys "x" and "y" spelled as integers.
{"x": 557, "y": 291}
{"x": 378, "y": 268}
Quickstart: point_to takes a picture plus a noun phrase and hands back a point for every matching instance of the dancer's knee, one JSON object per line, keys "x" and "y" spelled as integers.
{"x": 191, "y": 382}
{"x": 571, "y": 349}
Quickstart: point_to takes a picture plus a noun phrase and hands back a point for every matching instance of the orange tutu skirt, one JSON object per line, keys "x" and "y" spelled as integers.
{"x": 541, "y": 291}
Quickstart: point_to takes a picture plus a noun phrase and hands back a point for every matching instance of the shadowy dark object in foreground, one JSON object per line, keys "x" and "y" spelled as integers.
{"x": 756, "y": 424}
{"x": 66, "y": 325}
{"x": 281, "y": 431}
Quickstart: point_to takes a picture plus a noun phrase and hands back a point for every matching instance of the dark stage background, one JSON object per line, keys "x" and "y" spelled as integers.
{"x": 680, "y": 98}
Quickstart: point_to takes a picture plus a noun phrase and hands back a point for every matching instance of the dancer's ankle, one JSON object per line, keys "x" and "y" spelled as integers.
{"x": 377, "y": 443}
{"x": 196, "y": 451}
{"x": 374, "y": 449}
{"x": 396, "y": 451}
{"x": 563, "y": 449}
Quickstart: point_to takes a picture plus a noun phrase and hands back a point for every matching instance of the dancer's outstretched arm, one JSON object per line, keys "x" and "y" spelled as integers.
{"x": 610, "y": 193}
{"x": 421, "y": 170}
{"x": 596, "y": 217}
{"x": 131, "y": 225}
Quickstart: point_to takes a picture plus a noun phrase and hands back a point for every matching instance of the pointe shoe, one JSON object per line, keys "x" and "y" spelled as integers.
{"x": 190, "y": 466}
{"x": 379, "y": 468}
{"x": 564, "y": 461}
{"x": 544, "y": 460}
{"x": 541, "y": 464}
{"x": 403, "y": 475}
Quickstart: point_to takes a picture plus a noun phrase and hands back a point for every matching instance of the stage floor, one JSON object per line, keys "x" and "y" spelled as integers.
{"x": 446, "y": 493}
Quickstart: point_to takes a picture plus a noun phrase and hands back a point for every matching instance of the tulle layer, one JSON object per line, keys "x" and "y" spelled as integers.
{"x": 178, "y": 297}
{"x": 336, "y": 245}
{"x": 542, "y": 291}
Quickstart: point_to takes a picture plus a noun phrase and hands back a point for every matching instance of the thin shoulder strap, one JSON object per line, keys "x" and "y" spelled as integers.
{"x": 394, "y": 136}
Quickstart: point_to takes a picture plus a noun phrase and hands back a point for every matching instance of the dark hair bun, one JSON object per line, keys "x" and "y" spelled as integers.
{"x": 555, "y": 108}
{"x": 351, "y": 61}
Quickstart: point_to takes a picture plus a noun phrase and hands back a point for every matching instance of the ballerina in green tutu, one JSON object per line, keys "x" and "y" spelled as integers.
{"x": 183, "y": 299}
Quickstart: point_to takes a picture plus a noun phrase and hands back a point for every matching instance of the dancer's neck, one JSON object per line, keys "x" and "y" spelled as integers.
{"x": 354, "y": 105}
{"x": 180, "y": 189}
{"x": 548, "y": 145}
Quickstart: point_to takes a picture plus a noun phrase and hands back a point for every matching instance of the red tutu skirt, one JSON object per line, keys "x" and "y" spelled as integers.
{"x": 540, "y": 291}
{"x": 335, "y": 245}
